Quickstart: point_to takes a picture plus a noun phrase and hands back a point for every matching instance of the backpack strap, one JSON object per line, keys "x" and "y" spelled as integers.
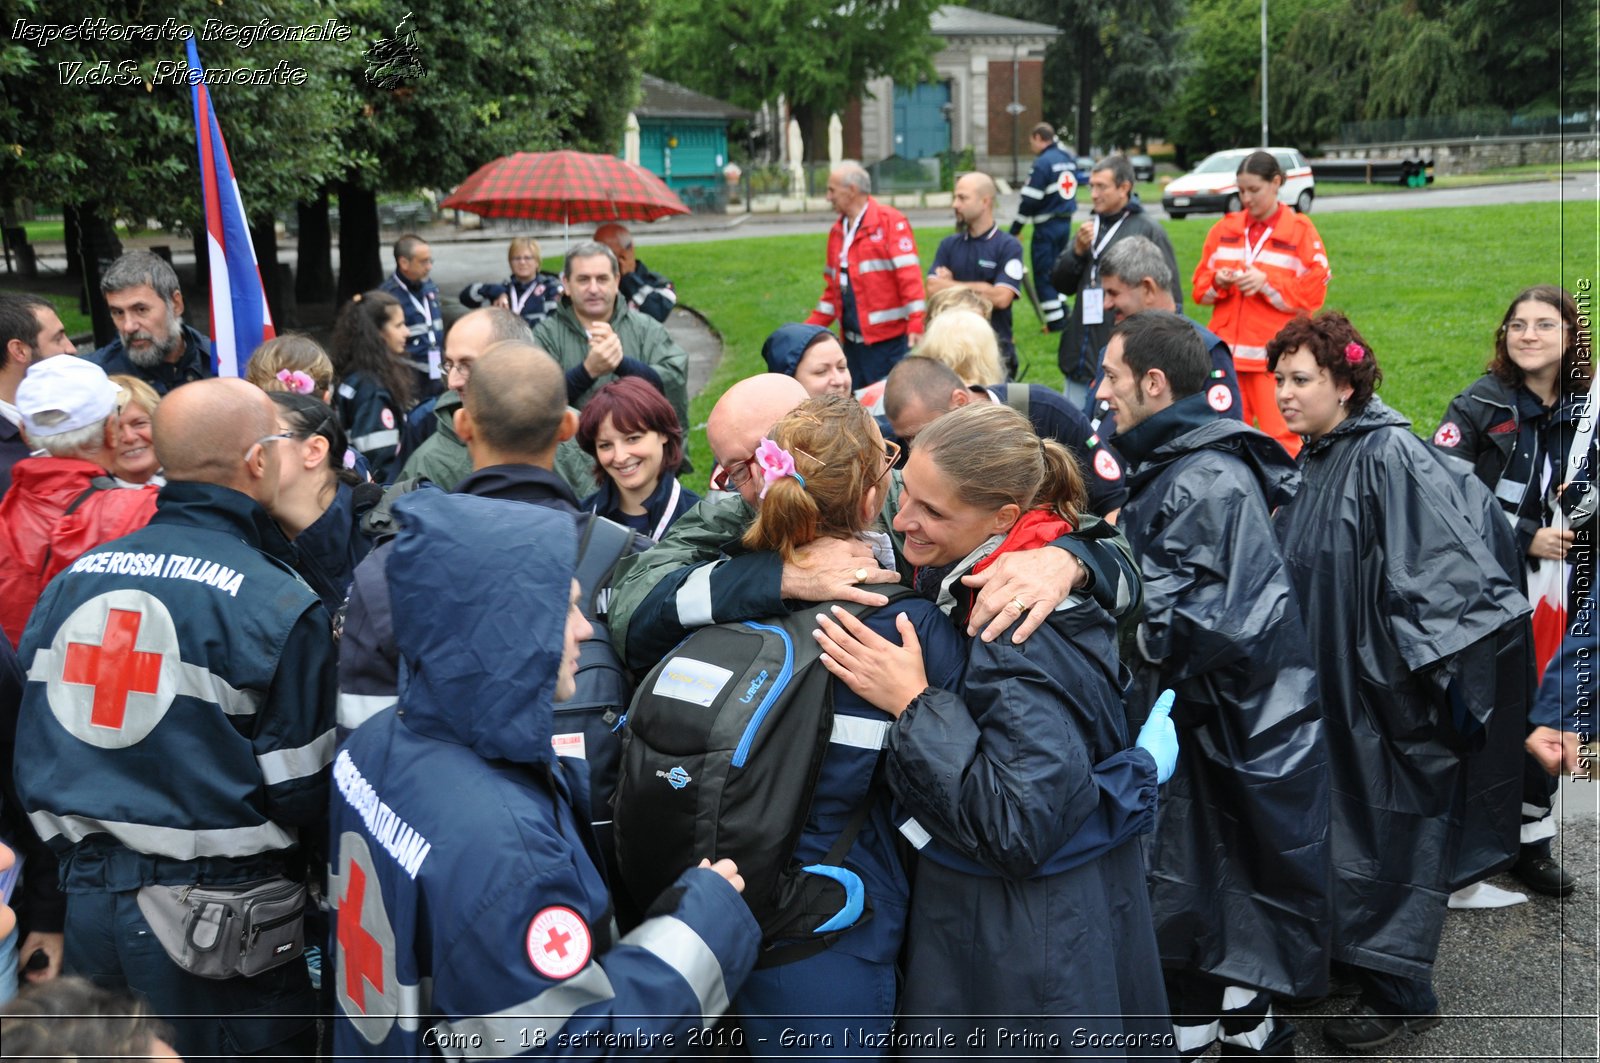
{"x": 604, "y": 543}
{"x": 99, "y": 483}
{"x": 1017, "y": 397}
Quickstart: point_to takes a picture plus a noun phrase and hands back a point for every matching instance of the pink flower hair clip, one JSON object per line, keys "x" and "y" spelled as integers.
{"x": 296, "y": 381}
{"x": 775, "y": 463}
{"x": 1354, "y": 353}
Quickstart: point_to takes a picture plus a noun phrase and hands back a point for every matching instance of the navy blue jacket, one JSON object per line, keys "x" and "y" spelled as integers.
{"x": 426, "y": 330}
{"x": 373, "y": 420}
{"x": 1004, "y": 774}
{"x": 647, "y": 292}
{"x": 467, "y": 888}
{"x": 13, "y": 448}
{"x": 540, "y": 296}
{"x": 178, "y": 721}
{"x": 669, "y": 501}
{"x": 334, "y": 544}
{"x": 194, "y": 365}
{"x": 369, "y": 663}
{"x": 1041, "y": 196}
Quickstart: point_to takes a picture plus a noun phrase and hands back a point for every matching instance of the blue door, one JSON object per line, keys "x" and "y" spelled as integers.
{"x": 920, "y": 128}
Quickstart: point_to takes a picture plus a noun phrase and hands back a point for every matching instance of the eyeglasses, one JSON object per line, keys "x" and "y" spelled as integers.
{"x": 264, "y": 440}
{"x": 448, "y": 366}
{"x": 1544, "y": 327}
{"x": 731, "y": 478}
{"x": 891, "y": 457}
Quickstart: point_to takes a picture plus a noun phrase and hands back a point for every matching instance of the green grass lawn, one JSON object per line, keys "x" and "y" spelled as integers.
{"x": 1426, "y": 289}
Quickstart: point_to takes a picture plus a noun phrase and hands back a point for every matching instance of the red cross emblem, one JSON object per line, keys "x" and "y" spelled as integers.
{"x": 363, "y": 955}
{"x": 558, "y": 942}
{"x": 114, "y": 668}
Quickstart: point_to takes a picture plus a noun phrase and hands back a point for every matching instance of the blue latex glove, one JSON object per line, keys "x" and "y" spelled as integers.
{"x": 1159, "y": 738}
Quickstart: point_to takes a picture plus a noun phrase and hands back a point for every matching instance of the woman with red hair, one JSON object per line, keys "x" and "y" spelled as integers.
{"x": 632, "y": 433}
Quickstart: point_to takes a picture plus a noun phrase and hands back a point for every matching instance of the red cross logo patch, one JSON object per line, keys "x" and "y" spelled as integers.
{"x": 1219, "y": 398}
{"x": 112, "y": 669}
{"x": 1105, "y": 466}
{"x": 368, "y": 992}
{"x": 1067, "y": 187}
{"x": 558, "y": 942}
{"x": 1448, "y": 435}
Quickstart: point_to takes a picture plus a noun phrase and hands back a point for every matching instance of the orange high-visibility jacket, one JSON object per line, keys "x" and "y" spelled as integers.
{"x": 1296, "y": 265}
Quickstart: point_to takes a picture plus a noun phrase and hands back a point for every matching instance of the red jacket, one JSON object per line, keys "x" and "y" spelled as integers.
{"x": 39, "y": 538}
{"x": 1296, "y": 265}
{"x": 884, "y": 274}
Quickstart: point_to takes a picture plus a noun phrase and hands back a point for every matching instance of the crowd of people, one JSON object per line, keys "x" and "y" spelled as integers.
{"x": 420, "y": 682}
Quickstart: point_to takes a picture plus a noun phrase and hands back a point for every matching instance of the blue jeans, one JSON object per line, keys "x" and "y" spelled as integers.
{"x": 109, "y": 942}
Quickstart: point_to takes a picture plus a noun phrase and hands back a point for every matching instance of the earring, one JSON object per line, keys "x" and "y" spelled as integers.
{"x": 1342, "y": 402}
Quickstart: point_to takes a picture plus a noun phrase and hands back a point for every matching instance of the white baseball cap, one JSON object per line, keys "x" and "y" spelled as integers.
{"x": 63, "y": 394}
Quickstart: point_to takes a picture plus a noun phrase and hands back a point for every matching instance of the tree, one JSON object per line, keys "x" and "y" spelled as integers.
{"x": 818, "y": 54}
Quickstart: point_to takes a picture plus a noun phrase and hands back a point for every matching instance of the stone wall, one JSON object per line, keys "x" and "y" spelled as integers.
{"x": 1479, "y": 153}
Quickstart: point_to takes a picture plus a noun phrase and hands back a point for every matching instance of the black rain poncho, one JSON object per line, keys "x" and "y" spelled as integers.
{"x": 1238, "y": 863}
{"x": 1403, "y": 604}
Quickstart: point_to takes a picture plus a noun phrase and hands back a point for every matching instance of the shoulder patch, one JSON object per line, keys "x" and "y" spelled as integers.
{"x": 558, "y": 942}
{"x": 1105, "y": 466}
{"x": 1448, "y": 435}
{"x": 386, "y": 415}
{"x": 905, "y": 243}
{"x": 1219, "y": 398}
{"x": 1014, "y": 269}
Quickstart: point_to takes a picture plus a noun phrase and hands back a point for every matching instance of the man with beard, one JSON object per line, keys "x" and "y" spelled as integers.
{"x": 981, "y": 257}
{"x": 152, "y": 343}
{"x": 30, "y": 332}
{"x": 1239, "y": 869}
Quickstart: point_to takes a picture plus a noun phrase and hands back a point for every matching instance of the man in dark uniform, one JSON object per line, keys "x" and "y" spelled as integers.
{"x": 981, "y": 257}
{"x": 419, "y": 298}
{"x": 1047, "y": 201}
{"x": 152, "y": 343}
{"x": 645, "y": 290}
{"x": 177, "y": 725}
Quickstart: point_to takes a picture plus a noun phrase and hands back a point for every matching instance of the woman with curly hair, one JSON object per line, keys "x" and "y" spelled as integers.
{"x": 1404, "y": 604}
{"x": 374, "y": 391}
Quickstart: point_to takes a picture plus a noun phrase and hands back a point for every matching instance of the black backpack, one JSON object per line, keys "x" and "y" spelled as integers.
{"x": 721, "y": 751}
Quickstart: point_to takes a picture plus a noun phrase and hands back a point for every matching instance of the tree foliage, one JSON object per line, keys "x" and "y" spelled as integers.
{"x": 131, "y": 147}
{"x": 818, "y": 54}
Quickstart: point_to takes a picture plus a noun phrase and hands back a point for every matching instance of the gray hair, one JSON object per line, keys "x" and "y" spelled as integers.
{"x": 505, "y": 326}
{"x": 855, "y": 175}
{"x": 80, "y": 442}
{"x": 1133, "y": 258}
{"x": 589, "y": 249}
{"x": 141, "y": 267}
{"x": 1118, "y": 166}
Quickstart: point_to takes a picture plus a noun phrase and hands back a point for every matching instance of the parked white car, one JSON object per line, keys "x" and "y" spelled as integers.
{"x": 1210, "y": 188}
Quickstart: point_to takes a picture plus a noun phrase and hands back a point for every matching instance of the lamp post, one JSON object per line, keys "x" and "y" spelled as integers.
{"x": 1263, "y": 73}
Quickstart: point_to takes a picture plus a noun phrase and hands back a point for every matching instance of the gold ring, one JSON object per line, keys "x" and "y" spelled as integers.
{"x": 861, "y": 575}
{"x": 1018, "y": 603}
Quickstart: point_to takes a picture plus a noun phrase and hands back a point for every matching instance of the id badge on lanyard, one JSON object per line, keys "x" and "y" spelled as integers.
{"x": 1093, "y": 298}
{"x": 433, "y": 344}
